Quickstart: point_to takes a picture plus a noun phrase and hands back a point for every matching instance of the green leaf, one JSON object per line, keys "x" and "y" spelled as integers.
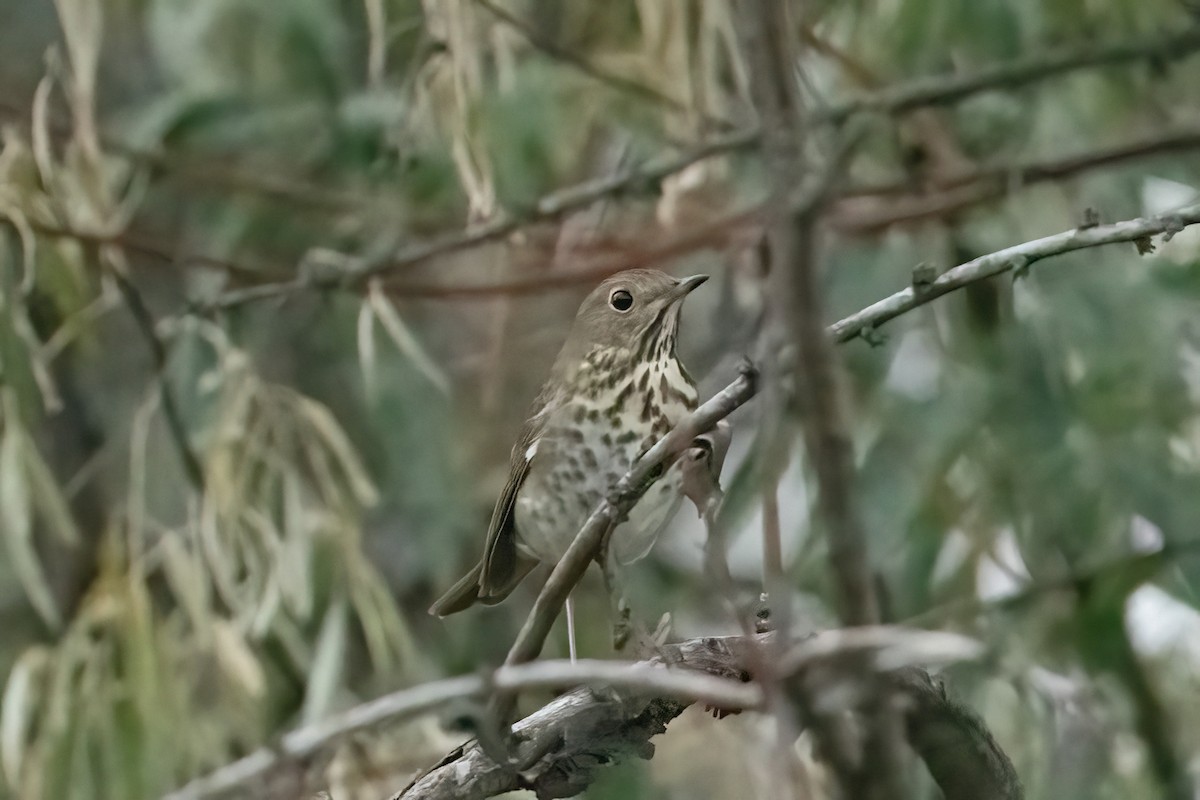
{"x": 329, "y": 662}
{"x": 19, "y": 709}
{"x": 16, "y": 513}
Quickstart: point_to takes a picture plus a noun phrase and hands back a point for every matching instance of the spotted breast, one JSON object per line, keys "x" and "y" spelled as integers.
{"x": 619, "y": 406}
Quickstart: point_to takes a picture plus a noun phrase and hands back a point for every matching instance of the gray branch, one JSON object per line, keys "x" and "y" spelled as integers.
{"x": 1016, "y": 258}
{"x": 565, "y": 743}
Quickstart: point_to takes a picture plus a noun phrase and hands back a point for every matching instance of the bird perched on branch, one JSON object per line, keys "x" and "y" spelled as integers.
{"x": 616, "y": 387}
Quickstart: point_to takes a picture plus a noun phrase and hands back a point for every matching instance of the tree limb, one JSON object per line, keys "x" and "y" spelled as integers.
{"x": 689, "y": 686}
{"x": 1018, "y": 257}
{"x": 575, "y": 735}
{"x": 873, "y": 770}
{"x": 923, "y": 92}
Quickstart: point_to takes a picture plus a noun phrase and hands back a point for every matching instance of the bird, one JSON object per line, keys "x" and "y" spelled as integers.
{"x": 616, "y": 387}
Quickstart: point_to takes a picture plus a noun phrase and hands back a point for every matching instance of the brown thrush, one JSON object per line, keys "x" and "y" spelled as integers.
{"x": 615, "y": 389}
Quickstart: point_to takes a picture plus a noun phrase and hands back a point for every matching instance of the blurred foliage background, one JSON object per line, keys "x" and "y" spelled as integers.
{"x": 256, "y": 400}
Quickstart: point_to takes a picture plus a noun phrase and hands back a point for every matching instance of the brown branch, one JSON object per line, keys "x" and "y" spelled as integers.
{"x": 943, "y": 90}
{"x": 143, "y": 247}
{"x": 1028, "y": 172}
{"x": 925, "y": 92}
{"x": 875, "y": 770}
{"x": 549, "y": 207}
{"x": 869, "y": 209}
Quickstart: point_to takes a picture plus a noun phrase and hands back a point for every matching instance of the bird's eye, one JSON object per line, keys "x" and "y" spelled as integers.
{"x": 621, "y": 300}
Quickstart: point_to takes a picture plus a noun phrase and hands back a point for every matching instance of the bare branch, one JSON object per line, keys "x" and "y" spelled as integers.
{"x": 875, "y": 770}
{"x": 1047, "y": 169}
{"x": 1017, "y": 257}
{"x": 931, "y": 91}
{"x": 686, "y": 686}
{"x": 942, "y": 90}
{"x": 870, "y": 209}
{"x": 564, "y": 743}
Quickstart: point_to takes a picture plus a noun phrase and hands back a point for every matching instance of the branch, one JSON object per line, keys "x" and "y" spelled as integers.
{"x": 1018, "y": 257}
{"x": 943, "y": 90}
{"x": 565, "y": 742}
{"x": 924, "y": 92}
{"x": 1028, "y": 172}
{"x": 873, "y": 770}
{"x": 869, "y": 209}
{"x": 549, "y": 207}
{"x": 685, "y": 686}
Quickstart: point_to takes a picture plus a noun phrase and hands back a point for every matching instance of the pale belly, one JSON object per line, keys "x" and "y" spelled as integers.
{"x": 573, "y": 467}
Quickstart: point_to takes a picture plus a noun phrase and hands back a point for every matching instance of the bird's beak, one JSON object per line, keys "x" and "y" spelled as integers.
{"x": 685, "y": 286}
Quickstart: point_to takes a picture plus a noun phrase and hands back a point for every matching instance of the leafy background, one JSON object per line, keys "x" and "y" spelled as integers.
{"x": 224, "y": 513}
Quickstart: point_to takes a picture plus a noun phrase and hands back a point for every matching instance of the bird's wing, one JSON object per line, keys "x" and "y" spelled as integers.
{"x": 503, "y": 566}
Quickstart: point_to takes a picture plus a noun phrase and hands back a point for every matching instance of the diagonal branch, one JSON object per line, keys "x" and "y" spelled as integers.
{"x": 943, "y": 90}
{"x": 1016, "y": 258}
{"x": 905, "y": 97}
{"x": 869, "y": 209}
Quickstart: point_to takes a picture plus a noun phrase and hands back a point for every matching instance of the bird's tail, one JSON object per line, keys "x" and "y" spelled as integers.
{"x": 467, "y": 592}
{"x": 461, "y": 595}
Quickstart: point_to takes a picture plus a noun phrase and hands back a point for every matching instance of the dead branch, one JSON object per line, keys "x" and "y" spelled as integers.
{"x": 566, "y": 742}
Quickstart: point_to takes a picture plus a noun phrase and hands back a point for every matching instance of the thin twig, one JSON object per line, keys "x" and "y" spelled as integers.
{"x": 1018, "y": 257}
{"x": 1045, "y": 169}
{"x": 943, "y": 90}
{"x": 876, "y": 770}
{"x": 869, "y": 209}
{"x": 549, "y": 207}
{"x": 925, "y": 92}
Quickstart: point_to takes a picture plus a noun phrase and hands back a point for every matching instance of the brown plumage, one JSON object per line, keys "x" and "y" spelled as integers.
{"x": 614, "y": 389}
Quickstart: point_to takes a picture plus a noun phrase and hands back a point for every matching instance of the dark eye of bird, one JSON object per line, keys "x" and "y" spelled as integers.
{"x": 621, "y": 300}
